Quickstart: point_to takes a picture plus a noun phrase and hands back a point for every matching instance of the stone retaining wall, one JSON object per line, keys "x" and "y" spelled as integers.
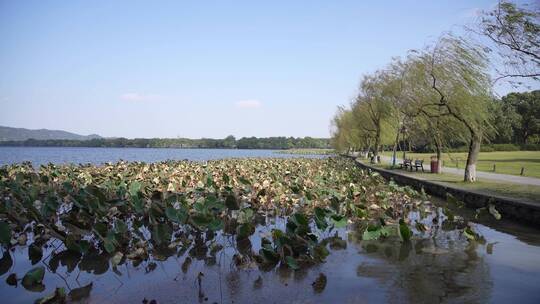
{"x": 522, "y": 211}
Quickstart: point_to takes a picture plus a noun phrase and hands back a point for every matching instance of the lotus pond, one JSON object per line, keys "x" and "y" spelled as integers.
{"x": 250, "y": 231}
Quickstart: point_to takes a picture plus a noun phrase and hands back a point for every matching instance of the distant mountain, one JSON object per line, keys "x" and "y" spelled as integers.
{"x": 16, "y": 134}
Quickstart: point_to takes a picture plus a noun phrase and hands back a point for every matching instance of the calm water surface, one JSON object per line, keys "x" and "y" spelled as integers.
{"x": 442, "y": 269}
{"x": 62, "y": 155}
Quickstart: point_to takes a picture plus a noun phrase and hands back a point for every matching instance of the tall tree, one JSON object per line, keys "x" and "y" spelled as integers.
{"x": 455, "y": 72}
{"x": 374, "y": 109}
{"x": 515, "y": 32}
{"x": 527, "y": 107}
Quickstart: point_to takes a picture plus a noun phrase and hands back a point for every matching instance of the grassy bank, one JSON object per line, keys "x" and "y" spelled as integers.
{"x": 508, "y": 162}
{"x": 526, "y": 192}
{"x": 308, "y": 151}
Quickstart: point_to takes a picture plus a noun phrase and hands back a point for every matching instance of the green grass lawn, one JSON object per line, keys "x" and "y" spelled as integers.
{"x": 527, "y": 192}
{"x": 308, "y": 151}
{"x": 505, "y": 162}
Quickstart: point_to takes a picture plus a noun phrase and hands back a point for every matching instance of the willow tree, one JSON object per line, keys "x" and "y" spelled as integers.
{"x": 454, "y": 77}
{"x": 425, "y": 121}
{"x": 514, "y": 33}
{"x": 373, "y": 110}
{"x": 344, "y": 134}
{"x": 393, "y": 89}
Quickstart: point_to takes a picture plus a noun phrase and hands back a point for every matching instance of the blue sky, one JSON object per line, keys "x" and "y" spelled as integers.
{"x": 202, "y": 68}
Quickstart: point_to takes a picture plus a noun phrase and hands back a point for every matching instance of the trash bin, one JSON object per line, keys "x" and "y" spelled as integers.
{"x": 434, "y": 167}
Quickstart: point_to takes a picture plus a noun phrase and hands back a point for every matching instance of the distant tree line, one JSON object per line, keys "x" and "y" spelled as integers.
{"x": 230, "y": 142}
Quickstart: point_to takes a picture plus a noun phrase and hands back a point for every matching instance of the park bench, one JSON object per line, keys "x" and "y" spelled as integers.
{"x": 407, "y": 163}
{"x": 418, "y": 164}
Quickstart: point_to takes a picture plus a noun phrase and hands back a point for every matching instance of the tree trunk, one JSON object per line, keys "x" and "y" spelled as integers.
{"x": 377, "y": 144}
{"x": 472, "y": 157}
{"x": 438, "y": 148}
{"x": 394, "y": 151}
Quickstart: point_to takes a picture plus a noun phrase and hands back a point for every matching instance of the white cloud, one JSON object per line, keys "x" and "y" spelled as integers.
{"x": 248, "y": 104}
{"x": 139, "y": 97}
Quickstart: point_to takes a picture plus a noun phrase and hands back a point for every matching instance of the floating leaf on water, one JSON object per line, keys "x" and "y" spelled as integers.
{"x": 33, "y": 277}
{"x": 320, "y": 283}
{"x": 320, "y": 252}
{"x": 12, "y": 279}
{"x": 5, "y": 262}
{"x": 58, "y": 296}
{"x": 78, "y": 294}
{"x": 35, "y": 253}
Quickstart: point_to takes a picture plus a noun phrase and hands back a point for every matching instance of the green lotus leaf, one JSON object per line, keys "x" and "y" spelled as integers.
{"x": 339, "y": 221}
{"x": 231, "y": 202}
{"x": 33, "y": 277}
{"x": 244, "y": 230}
{"x": 245, "y": 216}
{"x": 405, "y": 232}
{"x": 215, "y": 225}
{"x": 5, "y": 262}
{"x": 80, "y": 293}
{"x": 5, "y": 233}
{"x": 35, "y": 253}
{"x": 134, "y": 188}
{"x": 161, "y": 233}
{"x": 58, "y": 296}
{"x": 269, "y": 255}
{"x": 292, "y": 263}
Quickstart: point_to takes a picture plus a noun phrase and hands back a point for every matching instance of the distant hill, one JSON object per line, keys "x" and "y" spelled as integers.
{"x": 20, "y": 134}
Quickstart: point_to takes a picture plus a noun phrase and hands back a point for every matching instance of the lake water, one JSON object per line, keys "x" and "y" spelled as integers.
{"x": 62, "y": 155}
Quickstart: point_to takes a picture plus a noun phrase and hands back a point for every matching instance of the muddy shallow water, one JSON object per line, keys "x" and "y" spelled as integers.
{"x": 441, "y": 269}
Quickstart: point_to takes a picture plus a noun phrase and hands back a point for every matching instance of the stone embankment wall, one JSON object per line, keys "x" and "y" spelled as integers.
{"x": 522, "y": 211}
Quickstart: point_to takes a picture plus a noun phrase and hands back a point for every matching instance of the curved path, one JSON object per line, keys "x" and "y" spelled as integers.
{"x": 484, "y": 175}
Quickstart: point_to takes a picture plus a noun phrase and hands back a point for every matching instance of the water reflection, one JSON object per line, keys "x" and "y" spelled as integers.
{"x": 443, "y": 268}
{"x": 415, "y": 275}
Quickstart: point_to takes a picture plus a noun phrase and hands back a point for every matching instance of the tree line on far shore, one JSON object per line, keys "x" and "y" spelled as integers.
{"x": 441, "y": 97}
{"x": 230, "y": 142}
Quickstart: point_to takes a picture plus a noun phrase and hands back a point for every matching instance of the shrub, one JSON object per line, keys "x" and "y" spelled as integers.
{"x": 487, "y": 148}
{"x": 530, "y": 147}
{"x": 505, "y": 147}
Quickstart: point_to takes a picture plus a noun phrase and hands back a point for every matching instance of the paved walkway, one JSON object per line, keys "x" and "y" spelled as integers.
{"x": 483, "y": 175}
